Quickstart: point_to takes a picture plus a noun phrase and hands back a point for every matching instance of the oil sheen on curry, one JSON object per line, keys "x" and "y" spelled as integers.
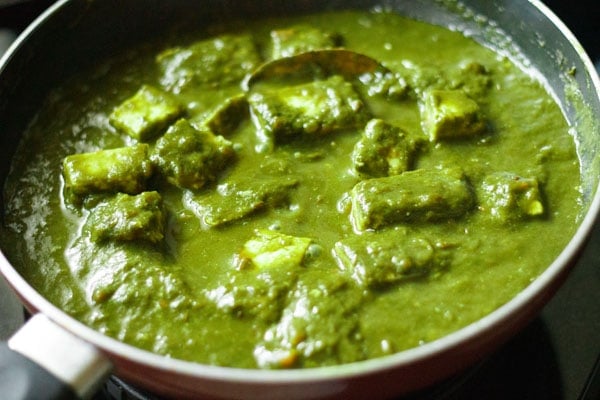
{"x": 293, "y": 193}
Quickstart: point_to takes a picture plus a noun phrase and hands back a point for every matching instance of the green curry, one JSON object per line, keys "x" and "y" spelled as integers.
{"x": 294, "y": 192}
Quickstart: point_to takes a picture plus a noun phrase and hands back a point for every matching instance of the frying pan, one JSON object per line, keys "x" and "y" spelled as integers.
{"x": 55, "y": 356}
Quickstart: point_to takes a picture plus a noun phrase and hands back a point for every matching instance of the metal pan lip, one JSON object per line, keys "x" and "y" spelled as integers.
{"x": 476, "y": 330}
{"x": 29, "y": 30}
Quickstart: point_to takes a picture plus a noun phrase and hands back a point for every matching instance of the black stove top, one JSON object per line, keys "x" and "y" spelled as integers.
{"x": 554, "y": 356}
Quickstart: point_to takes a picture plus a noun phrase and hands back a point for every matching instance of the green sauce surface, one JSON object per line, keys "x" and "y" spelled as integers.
{"x": 196, "y": 290}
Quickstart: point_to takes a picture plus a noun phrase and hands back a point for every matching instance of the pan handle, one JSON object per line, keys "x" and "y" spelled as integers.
{"x": 44, "y": 361}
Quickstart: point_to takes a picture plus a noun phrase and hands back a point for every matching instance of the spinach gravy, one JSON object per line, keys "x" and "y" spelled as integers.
{"x": 294, "y": 192}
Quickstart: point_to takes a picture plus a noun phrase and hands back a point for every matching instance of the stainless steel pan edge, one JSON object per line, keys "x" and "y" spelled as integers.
{"x": 73, "y": 34}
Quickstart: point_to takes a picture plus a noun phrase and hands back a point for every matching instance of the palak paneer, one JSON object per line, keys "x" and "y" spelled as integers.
{"x": 294, "y": 192}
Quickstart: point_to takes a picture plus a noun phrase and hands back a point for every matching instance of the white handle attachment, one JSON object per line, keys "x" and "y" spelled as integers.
{"x": 73, "y": 361}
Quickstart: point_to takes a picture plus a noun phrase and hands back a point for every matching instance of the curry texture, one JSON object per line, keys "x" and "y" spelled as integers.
{"x": 293, "y": 193}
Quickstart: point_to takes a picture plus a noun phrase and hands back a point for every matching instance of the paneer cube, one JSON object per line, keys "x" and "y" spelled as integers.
{"x": 472, "y": 78}
{"x": 380, "y": 259}
{"x": 128, "y": 218}
{"x": 313, "y": 109}
{"x": 214, "y": 62}
{"x": 233, "y": 201}
{"x": 383, "y": 150}
{"x": 146, "y": 114}
{"x": 225, "y": 118}
{"x": 189, "y": 158}
{"x": 450, "y": 114}
{"x": 214, "y": 209}
{"x": 300, "y": 38}
{"x": 422, "y": 195}
{"x": 124, "y": 169}
{"x": 272, "y": 249}
{"x": 508, "y": 197}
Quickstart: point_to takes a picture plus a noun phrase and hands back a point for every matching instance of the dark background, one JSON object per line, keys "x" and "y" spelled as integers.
{"x": 581, "y": 16}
